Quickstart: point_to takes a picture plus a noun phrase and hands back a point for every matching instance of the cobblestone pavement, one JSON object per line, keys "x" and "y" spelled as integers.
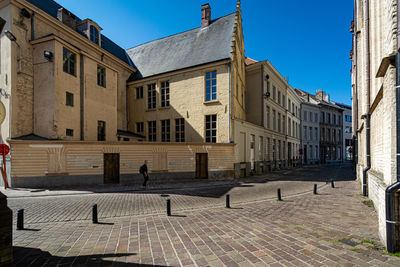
{"x": 333, "y": 228}
{"x": 73, "y": 207}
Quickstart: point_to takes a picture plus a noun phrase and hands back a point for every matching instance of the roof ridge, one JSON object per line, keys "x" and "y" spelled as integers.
{"x": 161, "y": 38}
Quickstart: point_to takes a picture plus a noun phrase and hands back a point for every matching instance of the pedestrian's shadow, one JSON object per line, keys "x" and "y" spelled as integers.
{"x": 25, "y": 256}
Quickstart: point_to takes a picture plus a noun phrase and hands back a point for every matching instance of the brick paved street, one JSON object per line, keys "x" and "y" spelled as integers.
{"x": 58, "y": 208}
{"x": 333, "y": 228}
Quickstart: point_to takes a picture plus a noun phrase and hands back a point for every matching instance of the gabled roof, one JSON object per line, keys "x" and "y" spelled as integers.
{"x": 51, "y": 8}
{"x": 187, "y": 49}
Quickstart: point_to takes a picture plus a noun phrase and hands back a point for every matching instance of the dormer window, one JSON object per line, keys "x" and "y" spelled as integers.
{"x": 94, "y": 35}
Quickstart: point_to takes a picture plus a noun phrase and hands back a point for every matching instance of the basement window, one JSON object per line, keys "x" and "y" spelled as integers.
{"x": 69, "y": 132}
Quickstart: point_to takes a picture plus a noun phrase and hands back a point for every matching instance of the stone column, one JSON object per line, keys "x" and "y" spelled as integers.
{"x": 5, "y": 232}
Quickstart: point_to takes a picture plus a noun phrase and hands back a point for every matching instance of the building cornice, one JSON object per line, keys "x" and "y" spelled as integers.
{"x": 180, "y": 71}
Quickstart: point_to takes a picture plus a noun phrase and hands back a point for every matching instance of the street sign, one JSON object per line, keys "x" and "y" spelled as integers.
{"x": 4, "y": 149}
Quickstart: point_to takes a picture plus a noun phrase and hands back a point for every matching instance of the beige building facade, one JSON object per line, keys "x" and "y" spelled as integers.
{"x": 274, "y": 107}
{"x": 375, "y": 56}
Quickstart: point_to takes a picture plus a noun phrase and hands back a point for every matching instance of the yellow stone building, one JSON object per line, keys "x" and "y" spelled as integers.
{"x": 71, "y": 94}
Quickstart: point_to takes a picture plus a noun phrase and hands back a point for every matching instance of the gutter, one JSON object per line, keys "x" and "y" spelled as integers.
{"x": 368, "y": 115}
{"x": 392, "y": 195}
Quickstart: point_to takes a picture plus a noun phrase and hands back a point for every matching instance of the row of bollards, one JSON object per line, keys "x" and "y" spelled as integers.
{"x": 20, "y": 212}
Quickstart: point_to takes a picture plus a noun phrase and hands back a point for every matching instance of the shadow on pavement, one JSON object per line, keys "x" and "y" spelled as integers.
{"x": 211, "y": 189}
{"x": 37, "y": 257}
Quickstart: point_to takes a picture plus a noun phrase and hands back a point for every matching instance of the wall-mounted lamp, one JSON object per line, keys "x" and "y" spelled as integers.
{"x": 25, "y": 13}
{"x": 4, "y": 93}
{"x": 48, "y": 55}
{"x": 267, "y": 77}
{"x": 266, "y": 95}
{"x": 14, "y": 39}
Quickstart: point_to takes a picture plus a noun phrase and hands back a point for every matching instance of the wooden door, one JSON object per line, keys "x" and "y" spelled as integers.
{"x": 111, "y": 168}
{"x": 201, "y": 165}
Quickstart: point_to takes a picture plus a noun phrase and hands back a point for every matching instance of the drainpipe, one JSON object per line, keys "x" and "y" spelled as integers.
{"x": 392, "y": 192}
{"x": 229, "y": 103}
{"x": 367, "y": 116}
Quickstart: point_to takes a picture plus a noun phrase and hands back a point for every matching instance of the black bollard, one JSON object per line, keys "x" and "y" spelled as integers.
{"x": 279, "y": 195}
{"x": 332, "y": 184}
{"x": 315, "y": 189}
{"x": 94, "y": 214}
{"x": 168, "y": 207}
{"x": 20, "y": 219}
{"x": 228, "y": 205}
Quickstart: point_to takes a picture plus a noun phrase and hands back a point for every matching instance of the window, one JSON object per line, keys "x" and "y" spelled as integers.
{"x": 334, "y": 119}
{"x": 316, "y": 133}
{"x": 284, "y": 124}
{"x": 211, "y": 128}
{"x": 274, "y": 92}
{"x": 211, "y": 86}
{"x": 69, "y": 99}
{"x": 339, "y": 135}
{"x": 151, "y": 96}
{"x": 101, "y": 76}
{"x": 268, "y": 87}
{"x": 267, "y": 150}
{"x": 125, "y": 139}
{"x": 273, "y": 120}
{"x": 180, "y": 130}
{"x": 334, "y": 136}
{"x": 69, "y": 62}
{"x": 101, "y": 131}
{"x": 347, "y": 118}
{"x": 139, "y": 127}
{"x": 283, "y": 100}
{"x": 165, "y": 94}
{"x": 268, "y": 118}
{"x": 305, "y": 115}
{"x": 279, "y": 97}
{"x": 322, "y": 134}
{"x": 305, "y": 132}
{"x": 94, "y": 34}
{"x": 323, "y": 117}
{"x": 328, "y": 116}
{"x": 289, "y": 104}
{"x": 139, "y": 92}
{"x": 339, "y": 119}
{"x": 289, "y": 126}
{"x": 316, "y": 117}
{"x": 152, "y": 131}
{"x": 279, "y": 122}
{"x": 310, "y": 133}
{"x": 260, "y": 146}
{"x": 69, "y": 132}
{"x": 310, "y": 116}
{"x": 328, "y": 135}
{"x": 165, "y": 131}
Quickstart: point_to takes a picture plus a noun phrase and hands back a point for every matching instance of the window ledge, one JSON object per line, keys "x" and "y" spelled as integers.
{"x": 150, "y": 110}
{"x": 212, "y": 102}
{"x": 161, "y": 108}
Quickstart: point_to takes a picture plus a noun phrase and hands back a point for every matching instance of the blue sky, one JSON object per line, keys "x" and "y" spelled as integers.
{"x": 308, "y": 41}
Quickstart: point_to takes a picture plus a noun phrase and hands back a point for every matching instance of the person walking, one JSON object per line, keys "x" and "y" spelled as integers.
{"x": 143, "y": 170}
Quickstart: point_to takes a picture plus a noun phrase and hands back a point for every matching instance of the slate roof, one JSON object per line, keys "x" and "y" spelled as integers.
{"x": 51, "y": 8}
{"x": 187, "y": 49}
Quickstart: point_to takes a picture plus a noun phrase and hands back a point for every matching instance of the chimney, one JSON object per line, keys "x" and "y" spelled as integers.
{"x": 66, "y": 17}
{"x": 326, "y": 97}
{"x": 320, "y": 94}
{"x": 205, "y": 15}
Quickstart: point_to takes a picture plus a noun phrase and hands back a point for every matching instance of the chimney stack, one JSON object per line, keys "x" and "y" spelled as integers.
{"x": 205, "y": 15}
{"x": 320, "y": 94}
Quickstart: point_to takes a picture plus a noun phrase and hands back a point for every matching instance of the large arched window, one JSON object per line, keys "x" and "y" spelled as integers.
{"x": 94, "y": 34}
